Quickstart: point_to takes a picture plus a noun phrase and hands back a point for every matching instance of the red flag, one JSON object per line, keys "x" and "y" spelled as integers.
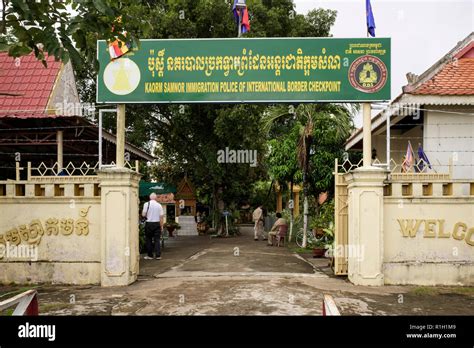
{"x": 245, "y": 21}
{"x": 407, "y": 163}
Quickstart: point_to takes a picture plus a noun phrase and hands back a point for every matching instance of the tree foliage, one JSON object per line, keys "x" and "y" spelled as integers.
{"x": 186, "y": 138}
{"x": 65, "y": 28}
{"x": 328, "y": 125}
{"x": 189, "y": 139}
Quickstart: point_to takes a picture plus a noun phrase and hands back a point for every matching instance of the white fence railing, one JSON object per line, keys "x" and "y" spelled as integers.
{"x": 417, "y": 171}
{"x": 70, "y": 169}
{"x": 329, "y": 306}
{"x": 27, "y": 303}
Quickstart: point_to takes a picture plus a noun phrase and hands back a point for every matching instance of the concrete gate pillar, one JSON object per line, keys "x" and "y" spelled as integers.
{"x": 119, "y": 226}
{"x": 365, "y": 220}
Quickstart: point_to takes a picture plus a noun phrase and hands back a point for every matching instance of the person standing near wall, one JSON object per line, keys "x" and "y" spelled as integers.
{"x": 153, "y": 211}
{"x": 257, "y": 217}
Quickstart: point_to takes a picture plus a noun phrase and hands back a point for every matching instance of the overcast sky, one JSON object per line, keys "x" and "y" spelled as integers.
{"x": 422, "y": 31}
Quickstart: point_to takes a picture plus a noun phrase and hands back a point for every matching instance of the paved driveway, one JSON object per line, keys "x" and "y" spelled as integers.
{"x": 201, "y": 255}
{"x": 238, "y": 276}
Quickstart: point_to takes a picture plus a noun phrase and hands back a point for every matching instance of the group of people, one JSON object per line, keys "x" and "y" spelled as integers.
{"x": 280, "y": 226}
{"x": 154, "y": 214}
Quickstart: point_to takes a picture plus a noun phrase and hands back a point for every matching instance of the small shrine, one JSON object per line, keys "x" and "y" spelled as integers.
{"x": 185, "y": 198}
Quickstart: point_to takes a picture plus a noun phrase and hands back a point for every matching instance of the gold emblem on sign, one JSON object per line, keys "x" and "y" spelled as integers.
{"x": 368, "y": 76}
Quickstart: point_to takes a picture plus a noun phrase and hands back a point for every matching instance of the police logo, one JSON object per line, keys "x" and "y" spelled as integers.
{"x": 368, "y": 74}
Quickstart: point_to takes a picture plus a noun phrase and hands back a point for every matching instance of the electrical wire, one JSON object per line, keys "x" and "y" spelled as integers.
{"x": 25, "y": 141}
{"x": 41, "y": 128}
{"x": 395, "y": 137}
{"x": 401, "y": 108}
{"x": 48, "y": 154}
{"x": 42, "y": 110}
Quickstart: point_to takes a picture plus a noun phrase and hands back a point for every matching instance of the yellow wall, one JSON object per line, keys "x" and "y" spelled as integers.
{"x": 71, "y": 256}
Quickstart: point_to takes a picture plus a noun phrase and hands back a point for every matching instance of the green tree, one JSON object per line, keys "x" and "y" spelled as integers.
{"x": 186, "y": 138}
{"x": 65, "y": 28}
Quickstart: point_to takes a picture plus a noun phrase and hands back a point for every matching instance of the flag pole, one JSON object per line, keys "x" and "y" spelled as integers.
{"x": 240, "y": 23}
{"x": 239, "y": 7}
{"x": 367, "y": 132}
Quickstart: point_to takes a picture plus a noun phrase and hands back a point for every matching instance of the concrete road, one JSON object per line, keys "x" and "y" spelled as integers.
{"x": 238, "y": 276}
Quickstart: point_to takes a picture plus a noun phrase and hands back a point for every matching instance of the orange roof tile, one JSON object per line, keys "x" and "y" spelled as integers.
{"x": 455, "y": 78}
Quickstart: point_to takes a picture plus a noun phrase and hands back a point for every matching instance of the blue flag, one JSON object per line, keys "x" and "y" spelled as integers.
{"x": 422, "y": 155}
{"x": 236, "y": 13}
{"x": 370, "y": 18}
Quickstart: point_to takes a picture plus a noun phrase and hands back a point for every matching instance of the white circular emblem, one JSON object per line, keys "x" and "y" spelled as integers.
{"x": 122, "y": 76}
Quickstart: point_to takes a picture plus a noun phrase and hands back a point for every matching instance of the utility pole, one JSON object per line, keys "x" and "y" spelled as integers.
{"x": 120, "y": 153}
{"x": 367, "y": 135}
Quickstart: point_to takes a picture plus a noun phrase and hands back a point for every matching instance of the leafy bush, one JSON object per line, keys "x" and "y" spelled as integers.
{"x": 325, "y": 217}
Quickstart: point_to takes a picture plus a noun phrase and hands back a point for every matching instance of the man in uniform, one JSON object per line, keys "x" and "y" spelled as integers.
{"x": 276, "y": 226}
{"x": 257, "y": 217}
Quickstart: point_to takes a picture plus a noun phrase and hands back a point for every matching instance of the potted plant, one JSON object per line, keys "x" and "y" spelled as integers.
{"x": 319, "y": 248}
{"x": 322, "y": 245}
{"x": 171, "y": 226}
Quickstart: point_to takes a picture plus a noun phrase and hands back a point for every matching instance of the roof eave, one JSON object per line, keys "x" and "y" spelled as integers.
{"x": 409, "y": 99}
{"x": 440, "y": 64}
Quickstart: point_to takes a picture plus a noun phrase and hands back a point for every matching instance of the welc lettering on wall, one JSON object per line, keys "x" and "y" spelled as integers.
{"x": 435, "y": 228}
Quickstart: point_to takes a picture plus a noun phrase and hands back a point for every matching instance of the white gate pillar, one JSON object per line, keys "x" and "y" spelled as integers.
{"x": 365, "y": 222}
{"x": 119, "y": 226}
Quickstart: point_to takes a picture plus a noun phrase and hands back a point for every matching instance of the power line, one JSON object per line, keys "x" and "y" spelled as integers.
{"x": 433, "y": 125}
{"x": 74, "y": 107}
{"x": 455, "y": 137}
{"x": 48, "y": 154}
{"x": 414, "y": 109}
{"x": 26, "y": 141}
{"x": 437, "y": 151}
{"x": 407, "y": 107}
{"x": 41, "y": 128}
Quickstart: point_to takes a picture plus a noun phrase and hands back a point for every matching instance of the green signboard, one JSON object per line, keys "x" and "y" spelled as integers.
{"x": 247, "y": 70}
{"x": 145, "y": 188}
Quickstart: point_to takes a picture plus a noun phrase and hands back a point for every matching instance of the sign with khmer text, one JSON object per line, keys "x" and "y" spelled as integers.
{"x": 247, "y": 70}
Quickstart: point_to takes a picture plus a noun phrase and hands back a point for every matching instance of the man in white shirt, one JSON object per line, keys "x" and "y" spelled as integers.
{"x": 153, "y": 211}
